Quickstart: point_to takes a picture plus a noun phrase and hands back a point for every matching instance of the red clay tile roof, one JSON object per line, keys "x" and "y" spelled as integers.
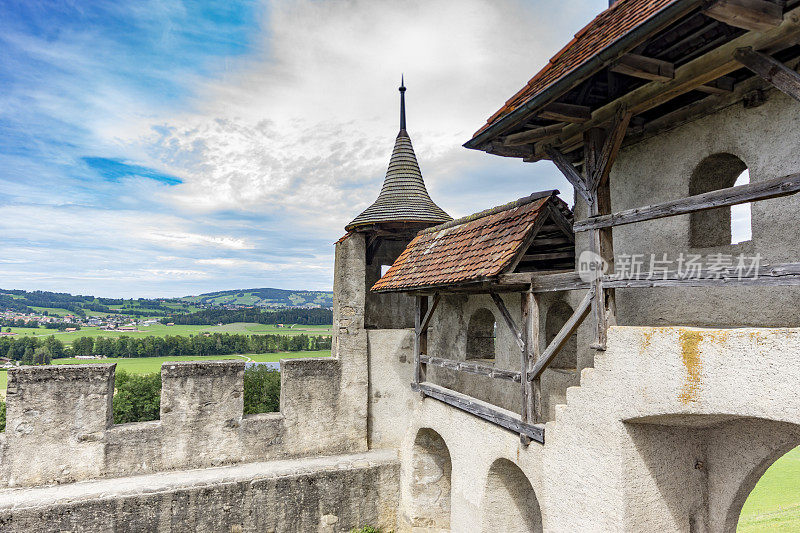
{"x": 608, "y": 27}
{"x": 470, "y": 249}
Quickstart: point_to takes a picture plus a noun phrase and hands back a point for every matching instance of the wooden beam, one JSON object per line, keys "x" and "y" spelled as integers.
{"x": 721, "y": 85}
{"x": 481, "y": 409}
{"x": 716, "y": 63}
{"x": 501, "y": 306}
{"x": 549, "y": 256}
{"x": 531, "y": 391}
{"x": 611, "y": 147}
{"x": 760, "y": 190}
{"x": 566, "y": 281}
{"x": 646, "y": 68}
{"x": 566, "y": 112}
{"x": 420, "y": 338}
{"x": 768, "y": 275}
{"x": 561, "y": 222}
{"x": 535, "y": 135}
{"x": 472, "y": 368}
{"x": 427, "y": 320}
{"x": 569, "y": 172}
{"x": 566, "y": 331}
{"x": 755, "y": 15}
{"x": 772, "y": 70}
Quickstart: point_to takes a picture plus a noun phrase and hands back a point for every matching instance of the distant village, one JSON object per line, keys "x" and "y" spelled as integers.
{"x": 71, "y": 322}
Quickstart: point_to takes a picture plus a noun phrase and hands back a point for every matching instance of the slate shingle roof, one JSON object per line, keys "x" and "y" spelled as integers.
{"x": 470, "y": 249}
{"x": 608, "y": 27}
{"x": 403, "y": 197}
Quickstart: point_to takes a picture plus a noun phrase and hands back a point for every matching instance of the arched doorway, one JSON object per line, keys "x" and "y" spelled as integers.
{"x": 430, "y": 482}
{"x": 773, "y": 502}
{"x": 509, "y": 503}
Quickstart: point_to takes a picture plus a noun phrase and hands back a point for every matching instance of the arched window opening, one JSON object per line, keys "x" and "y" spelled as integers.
{"x": 723, "y": 225}
{"x": 774, "y": 502}
{"x": 741, "y": 217}
{"x": 557, "y": 315}
{"x": 509, "y": 503}
{"x": 481, "y": 335}
{"x": 430, "y": 483}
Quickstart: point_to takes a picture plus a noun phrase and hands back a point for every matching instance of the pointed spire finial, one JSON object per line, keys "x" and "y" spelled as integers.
{"x": 402, "y": 104}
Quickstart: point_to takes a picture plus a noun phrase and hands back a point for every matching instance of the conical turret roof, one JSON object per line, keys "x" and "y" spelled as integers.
{"x": 403, "y": 197}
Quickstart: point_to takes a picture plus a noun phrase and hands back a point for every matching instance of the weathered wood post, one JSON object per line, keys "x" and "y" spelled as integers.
{"x": 531, "y": 390}
{"x": 420, "y": 338}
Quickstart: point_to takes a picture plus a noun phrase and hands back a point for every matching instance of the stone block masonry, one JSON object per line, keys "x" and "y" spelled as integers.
{"x": 60, "y": 429}
{"x": 323, "y": 494}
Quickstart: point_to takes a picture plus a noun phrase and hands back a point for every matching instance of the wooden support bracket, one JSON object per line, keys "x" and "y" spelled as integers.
{"x": 772, "y": 70}
{"x": 501, "y": 306}
{"x": 569, "y": 172}
{"x": 581, "y": 312}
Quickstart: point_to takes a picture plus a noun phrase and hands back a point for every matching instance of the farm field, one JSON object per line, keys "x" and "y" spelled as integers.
{"x": 161, "y": 330}
{"x": 150, "y": 365}
{"x": 774, "y": 503}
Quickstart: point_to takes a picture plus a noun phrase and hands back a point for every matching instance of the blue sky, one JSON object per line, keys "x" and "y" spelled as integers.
{"x": 163, "y": 148}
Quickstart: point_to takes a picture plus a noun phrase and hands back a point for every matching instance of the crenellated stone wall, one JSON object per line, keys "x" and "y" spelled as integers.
{"x": 60, "y": 429}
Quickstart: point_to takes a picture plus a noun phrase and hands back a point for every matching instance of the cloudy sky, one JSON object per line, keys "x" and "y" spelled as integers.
{"x": 166, "y": 147}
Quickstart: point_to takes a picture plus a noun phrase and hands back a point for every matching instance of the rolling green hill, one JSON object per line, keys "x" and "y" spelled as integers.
{"x": 264, "y": 298}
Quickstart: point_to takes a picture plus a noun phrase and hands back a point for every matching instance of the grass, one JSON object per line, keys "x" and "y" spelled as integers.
{"x": 774, "y": 503}
{"x": 150, "y": 365}
{"x": 161, "y": 330}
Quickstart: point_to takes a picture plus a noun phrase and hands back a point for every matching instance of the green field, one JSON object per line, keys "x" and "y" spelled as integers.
{"x": 161, "y": 330}
{"x": 149, "y": 365}
{"x": 774, "y": 503}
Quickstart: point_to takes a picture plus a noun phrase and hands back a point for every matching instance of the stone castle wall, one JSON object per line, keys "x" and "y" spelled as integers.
{"x": 59, "y": 421}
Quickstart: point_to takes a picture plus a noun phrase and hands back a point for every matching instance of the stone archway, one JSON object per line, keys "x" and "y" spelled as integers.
{"x": 430, "y": 482}
{"x": 509, "y": 503}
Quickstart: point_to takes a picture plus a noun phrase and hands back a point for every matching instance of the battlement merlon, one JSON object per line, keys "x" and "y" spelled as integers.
{"x": 60, "y": 421}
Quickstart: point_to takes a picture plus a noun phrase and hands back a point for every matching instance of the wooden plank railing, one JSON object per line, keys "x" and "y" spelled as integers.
{"x": 481, "y": 409}
{"x": 471, "y": 368}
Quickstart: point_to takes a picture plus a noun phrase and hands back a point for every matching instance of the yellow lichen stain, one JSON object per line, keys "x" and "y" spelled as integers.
{"x": 647, "y": 338}
{"x": 690, "y": 342}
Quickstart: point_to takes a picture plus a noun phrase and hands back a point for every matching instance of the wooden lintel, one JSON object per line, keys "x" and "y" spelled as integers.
{"x": 535, "y": 135}
{"x": 771, "y": 70}
{"x": 581, "y": 312}
{"x": 643, "y": 67}
{"x": 563, "y": 281}
{"x": 760, "y": 190}
{"x": 755, "y": 15}
{"x": 472, "y": 368}
{"x": 721, "y": 85}
{"x": 481, "y": 409}
{"x": 566, "y": 112}
{"x": 569, "y": 172}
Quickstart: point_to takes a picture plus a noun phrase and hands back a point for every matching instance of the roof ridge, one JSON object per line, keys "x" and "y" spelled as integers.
{"x": 491, "y": 211}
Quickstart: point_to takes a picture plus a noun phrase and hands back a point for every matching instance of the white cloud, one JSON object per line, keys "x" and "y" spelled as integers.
{"x": 304, "y": 127}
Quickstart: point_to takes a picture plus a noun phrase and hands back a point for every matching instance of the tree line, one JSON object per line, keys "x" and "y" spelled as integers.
{"x": 206, "y": 317}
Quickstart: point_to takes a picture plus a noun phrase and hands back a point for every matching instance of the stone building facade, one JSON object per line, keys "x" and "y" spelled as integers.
{"x": 663, "y": 403}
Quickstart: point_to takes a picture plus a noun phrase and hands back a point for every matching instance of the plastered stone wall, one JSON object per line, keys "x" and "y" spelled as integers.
{"x": 59, "y": 421}
{"x": 660, "y": 169}
{"x": 324, "y": 495}
{"x": 669, "y": 432}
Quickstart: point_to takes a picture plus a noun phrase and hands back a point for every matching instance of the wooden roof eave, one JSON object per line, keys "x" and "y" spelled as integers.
{"x": 609, "y": 54}
{"x": 700, "y": 71}
{"x": 481, "y": 286}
